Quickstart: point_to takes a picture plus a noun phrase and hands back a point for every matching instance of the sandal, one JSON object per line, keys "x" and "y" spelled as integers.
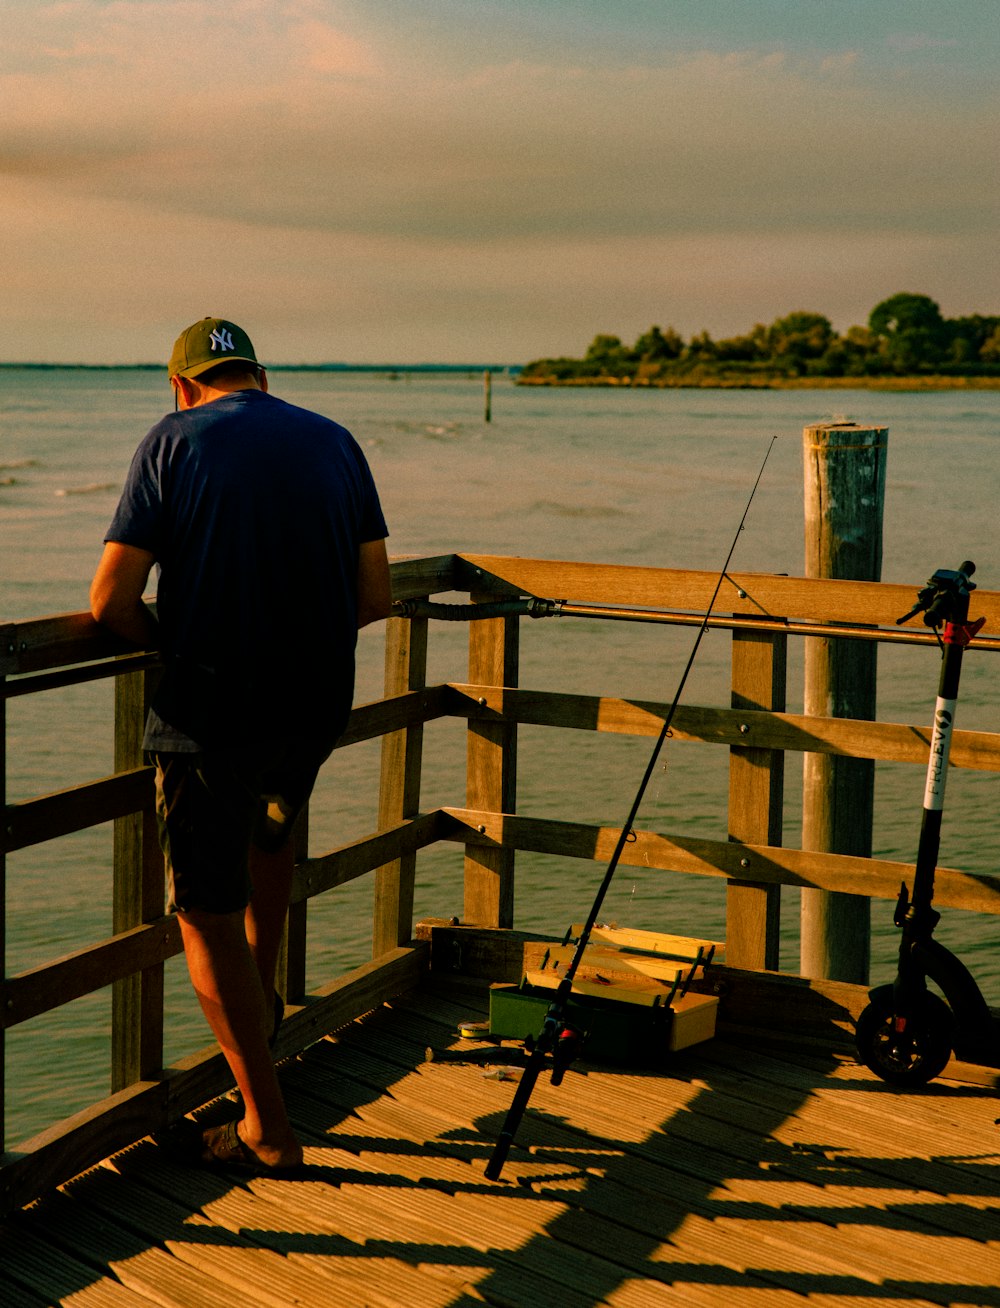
{"x": 222, "y": 1147}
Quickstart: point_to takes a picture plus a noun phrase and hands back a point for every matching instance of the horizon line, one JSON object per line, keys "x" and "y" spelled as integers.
{"x": 332, "y": 366}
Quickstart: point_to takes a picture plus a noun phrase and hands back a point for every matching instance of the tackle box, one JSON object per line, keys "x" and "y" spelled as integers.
{"x": 630, "y": 994}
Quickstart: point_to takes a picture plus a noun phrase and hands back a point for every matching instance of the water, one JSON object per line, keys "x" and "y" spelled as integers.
{"x": 656, "y": 478}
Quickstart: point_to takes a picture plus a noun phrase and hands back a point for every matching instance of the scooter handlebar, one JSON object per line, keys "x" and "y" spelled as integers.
{"x": 937, "y": 599}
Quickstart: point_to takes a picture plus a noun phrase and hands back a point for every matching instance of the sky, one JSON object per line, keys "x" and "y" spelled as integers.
{"x": 485, "y": 180}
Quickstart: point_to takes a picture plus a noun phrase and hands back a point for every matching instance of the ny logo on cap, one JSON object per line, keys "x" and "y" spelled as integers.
{"x": 223, "y": 338}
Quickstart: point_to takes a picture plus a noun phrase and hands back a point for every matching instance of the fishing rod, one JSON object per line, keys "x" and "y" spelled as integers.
{"x": 557, "y": 1036}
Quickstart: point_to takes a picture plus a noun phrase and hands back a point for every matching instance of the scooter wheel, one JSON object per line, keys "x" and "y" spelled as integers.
{"x": 912, "y": 1057}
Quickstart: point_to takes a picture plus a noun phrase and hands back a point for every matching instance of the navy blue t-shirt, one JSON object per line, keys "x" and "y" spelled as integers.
{"x": 255, "y": 510}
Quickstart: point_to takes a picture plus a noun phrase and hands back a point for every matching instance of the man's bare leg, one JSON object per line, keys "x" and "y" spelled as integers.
{"x": 271, "y": 878}
{"x": 228, "y": 987}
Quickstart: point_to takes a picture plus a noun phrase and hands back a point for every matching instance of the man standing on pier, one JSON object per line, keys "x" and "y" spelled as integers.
{"x": 266, "y": 526}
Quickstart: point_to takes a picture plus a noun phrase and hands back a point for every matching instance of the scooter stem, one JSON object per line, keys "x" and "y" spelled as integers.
{"x": 952, "y": 603}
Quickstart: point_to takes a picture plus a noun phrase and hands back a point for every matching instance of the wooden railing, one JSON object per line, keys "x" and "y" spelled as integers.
{"x": 763, "y": 611}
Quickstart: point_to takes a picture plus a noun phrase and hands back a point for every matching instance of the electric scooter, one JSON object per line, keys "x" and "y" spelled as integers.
{"x": 908, "y": 1032}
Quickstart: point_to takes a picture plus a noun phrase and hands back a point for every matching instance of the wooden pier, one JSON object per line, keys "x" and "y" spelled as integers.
{"x": 764, "y": 1166}
{"x": 743, "y": 1175}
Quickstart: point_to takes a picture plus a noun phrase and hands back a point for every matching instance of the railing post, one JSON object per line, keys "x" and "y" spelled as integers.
{"x": 399, "y": 789}
{"x": 756, "y": 793}
{"x": 844, "y": 493}
{"x": 3, "y": 910}
{"x": 137, "y": 1000}
{"x": 491, "y": 776}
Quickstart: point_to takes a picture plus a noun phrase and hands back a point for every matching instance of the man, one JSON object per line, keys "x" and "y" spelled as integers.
{"x": 266, "y": 526}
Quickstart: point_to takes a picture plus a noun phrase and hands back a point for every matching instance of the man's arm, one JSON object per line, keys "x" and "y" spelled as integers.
{"x": 374, "y": 584}
{"x": 116, "y": 594}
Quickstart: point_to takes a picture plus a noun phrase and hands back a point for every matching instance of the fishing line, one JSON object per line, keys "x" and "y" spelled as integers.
{"x": 556, "y": 1036}
{"x": 628, "y": 829}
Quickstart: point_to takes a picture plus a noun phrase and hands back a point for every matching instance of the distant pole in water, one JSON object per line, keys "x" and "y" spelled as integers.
{"x": 487, "y": 396}
{"x": 844, "y": 496}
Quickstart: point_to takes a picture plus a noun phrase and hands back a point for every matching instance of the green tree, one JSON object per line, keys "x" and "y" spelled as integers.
{"x": 607, "y": 357}
{"x": 702, "y": 349}
{"x": 799, "y": 339}
{"x": 743, "y": 349}
{"x": 906, "y": 333}
{"x": 969, "y": 336}
{"x": 605, "y": 347}
{"x": 858, "y": 350}
{"x": 911, "y": 332}
{"x": 989, "y": 351}
{"x": 656, "y": 346}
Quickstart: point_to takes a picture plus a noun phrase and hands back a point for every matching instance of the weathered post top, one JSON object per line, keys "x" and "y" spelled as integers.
{"x": 844, "y": 466}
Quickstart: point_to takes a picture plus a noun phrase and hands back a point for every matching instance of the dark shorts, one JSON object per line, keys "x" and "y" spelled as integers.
{"x": 213, "y": 806}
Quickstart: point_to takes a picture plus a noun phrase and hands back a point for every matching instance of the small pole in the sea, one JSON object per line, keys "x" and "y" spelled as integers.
{"x": 487, "y": 396}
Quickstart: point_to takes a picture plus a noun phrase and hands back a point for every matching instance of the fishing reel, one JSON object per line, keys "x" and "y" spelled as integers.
{"x": 569, "y": 1043}
{"x": 560, "y": 1039}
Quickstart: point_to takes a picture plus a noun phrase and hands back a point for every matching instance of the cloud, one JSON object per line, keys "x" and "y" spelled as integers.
{"x": 297, "y": 128}
{"x": 909, "y": 42}
{"x": 845, "y": 61}
{"x": 326, "y": 50}
{"x": 313, "y": 295}
{"x": 431, "y": 165}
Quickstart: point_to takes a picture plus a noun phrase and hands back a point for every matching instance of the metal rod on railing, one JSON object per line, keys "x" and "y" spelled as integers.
{"x": 545, "y": 608}
{"x": 785, "y": 626}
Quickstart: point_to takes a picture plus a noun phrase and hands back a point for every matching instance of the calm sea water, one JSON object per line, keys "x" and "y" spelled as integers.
{"x": 653, "y": 478}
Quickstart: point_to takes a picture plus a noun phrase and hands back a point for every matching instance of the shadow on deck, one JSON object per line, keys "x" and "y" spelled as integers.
{"x": 742, "y": 1175}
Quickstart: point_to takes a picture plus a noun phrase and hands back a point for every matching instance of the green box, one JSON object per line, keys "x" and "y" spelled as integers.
{"x": 613, "y": 1032}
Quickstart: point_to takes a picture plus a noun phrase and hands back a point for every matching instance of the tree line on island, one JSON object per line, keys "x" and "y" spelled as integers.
{"x": 906, "y": 336}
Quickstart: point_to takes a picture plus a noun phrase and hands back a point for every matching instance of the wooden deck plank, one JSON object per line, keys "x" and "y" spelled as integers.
{"x": 965, "y": 1114}
{"x": 253, "y": 1267}
{"x": 421, "y": 1226}
{"x": 16, "y": 1297}
{"x": 873, "y": 1104}
{"x": 739, "y": 1174}
{"x": 367, "y": 1210}
{"x": 638, "y": 1175}
{"x": 60, "y": 1277}
{"x": 637, "y": 1293}
{"x": 880, "y": 1262}
{"x": 967, "y": 1253}
{"x": 799, "y": 1257}
{"x": 293, "y": 1256}
{"x": 735, "y": 1109}
{"x": 445, "y": 1226}
{"x": 446, "y": 1108}
{"x": 316, "y": 1227}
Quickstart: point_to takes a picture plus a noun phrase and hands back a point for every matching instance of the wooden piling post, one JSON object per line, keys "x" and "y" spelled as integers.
{"x": 844, "y": 497}
{"x": 487, "y": 396}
